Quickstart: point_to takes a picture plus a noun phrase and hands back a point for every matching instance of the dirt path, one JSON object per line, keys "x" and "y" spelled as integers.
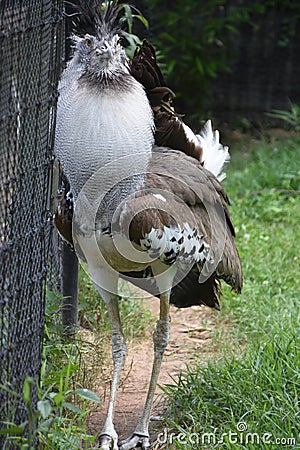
{"x": 190, "y": 340}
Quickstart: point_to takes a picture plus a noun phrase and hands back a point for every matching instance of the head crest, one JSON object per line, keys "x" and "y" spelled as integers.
{"x": 97, "y": 17}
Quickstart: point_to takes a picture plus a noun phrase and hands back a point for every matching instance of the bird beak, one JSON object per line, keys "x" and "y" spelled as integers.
{"x": 104, "y": 51}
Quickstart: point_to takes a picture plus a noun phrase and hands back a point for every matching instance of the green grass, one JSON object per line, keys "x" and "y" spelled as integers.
{"x": 258, "y": 385}
{"x": 259, "y": 391}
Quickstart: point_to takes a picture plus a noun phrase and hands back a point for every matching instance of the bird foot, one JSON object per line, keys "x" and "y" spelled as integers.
{"x": 106, "y": 442}
{"x": 135, "y": 441}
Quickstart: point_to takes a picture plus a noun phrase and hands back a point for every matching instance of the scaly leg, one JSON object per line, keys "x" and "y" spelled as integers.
{"x": 108, "y": 438}
{"x": 160, "y": 339}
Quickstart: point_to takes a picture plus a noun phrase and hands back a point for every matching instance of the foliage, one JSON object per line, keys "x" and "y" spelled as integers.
{"x": 258, "y": 386}
{"x": 64, "y": 404}
{"x": 291, "y": 117}
{"x": 132, "y": 39}
{"x": 198, "y": 40}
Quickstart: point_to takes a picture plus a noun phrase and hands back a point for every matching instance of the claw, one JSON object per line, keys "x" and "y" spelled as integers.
{"x": 135, "y": 441}
{"x": 106, "y": 442}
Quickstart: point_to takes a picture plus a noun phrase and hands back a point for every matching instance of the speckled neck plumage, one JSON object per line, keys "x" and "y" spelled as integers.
{"x": 115, "y": 122}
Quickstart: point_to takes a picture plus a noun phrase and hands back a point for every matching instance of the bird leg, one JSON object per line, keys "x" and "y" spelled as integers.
{"x": 108, "y": 438}
{"x": 160, "y": 339}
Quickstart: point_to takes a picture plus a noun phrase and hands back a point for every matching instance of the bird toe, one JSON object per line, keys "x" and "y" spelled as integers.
{"x": 135, "y": 441}
{"x": 106, "y": 442}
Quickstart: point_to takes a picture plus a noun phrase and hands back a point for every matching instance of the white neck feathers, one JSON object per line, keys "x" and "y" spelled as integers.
{"x": 96, "y": 127}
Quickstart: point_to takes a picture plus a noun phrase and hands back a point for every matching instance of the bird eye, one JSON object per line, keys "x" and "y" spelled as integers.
{"x": 89, "y": 42}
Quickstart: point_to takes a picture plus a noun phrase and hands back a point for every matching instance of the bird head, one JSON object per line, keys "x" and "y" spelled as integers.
{"x": 101, "y": 56}
{"x": 97, "y": 38}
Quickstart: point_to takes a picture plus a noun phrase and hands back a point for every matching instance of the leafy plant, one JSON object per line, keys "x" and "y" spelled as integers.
{"x": 64, "y": 403}
{"x": 132, "y": 39}
{"x": 199, "y": 41}
{"x": 291, "y": 117}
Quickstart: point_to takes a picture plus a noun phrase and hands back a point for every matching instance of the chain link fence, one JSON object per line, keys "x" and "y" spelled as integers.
{"x": 31, "y": 50}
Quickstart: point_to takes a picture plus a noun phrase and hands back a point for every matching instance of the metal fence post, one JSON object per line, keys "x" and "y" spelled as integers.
{"x": 69, "y": 288}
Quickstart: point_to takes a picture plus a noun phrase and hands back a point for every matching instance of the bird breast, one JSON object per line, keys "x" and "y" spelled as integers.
{"x": 98, "y": 126}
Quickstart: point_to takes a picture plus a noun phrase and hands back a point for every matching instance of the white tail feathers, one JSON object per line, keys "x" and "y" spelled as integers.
{"x": 215, "y": 155}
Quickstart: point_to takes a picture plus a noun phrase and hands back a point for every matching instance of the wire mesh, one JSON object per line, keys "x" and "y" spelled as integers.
{"x": 31, "y": 36}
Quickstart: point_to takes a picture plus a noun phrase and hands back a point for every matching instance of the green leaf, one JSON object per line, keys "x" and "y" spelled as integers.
{"x": 143, "y": 20}
{"x": 44, "y": 407}
{"x": 88, "y": 395}
{"x": 58, "y": 398}
{"x": 52, "y": 395}
{"x": 15, "y": 430}
{"x": 27, "y": 389}
{"x": 47, "y": 423}
{"x": 199, "y": 66}
{"x": 73, "y": 407}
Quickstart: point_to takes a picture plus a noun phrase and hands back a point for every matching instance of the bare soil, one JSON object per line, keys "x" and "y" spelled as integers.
{"x": 190, "y": 343}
